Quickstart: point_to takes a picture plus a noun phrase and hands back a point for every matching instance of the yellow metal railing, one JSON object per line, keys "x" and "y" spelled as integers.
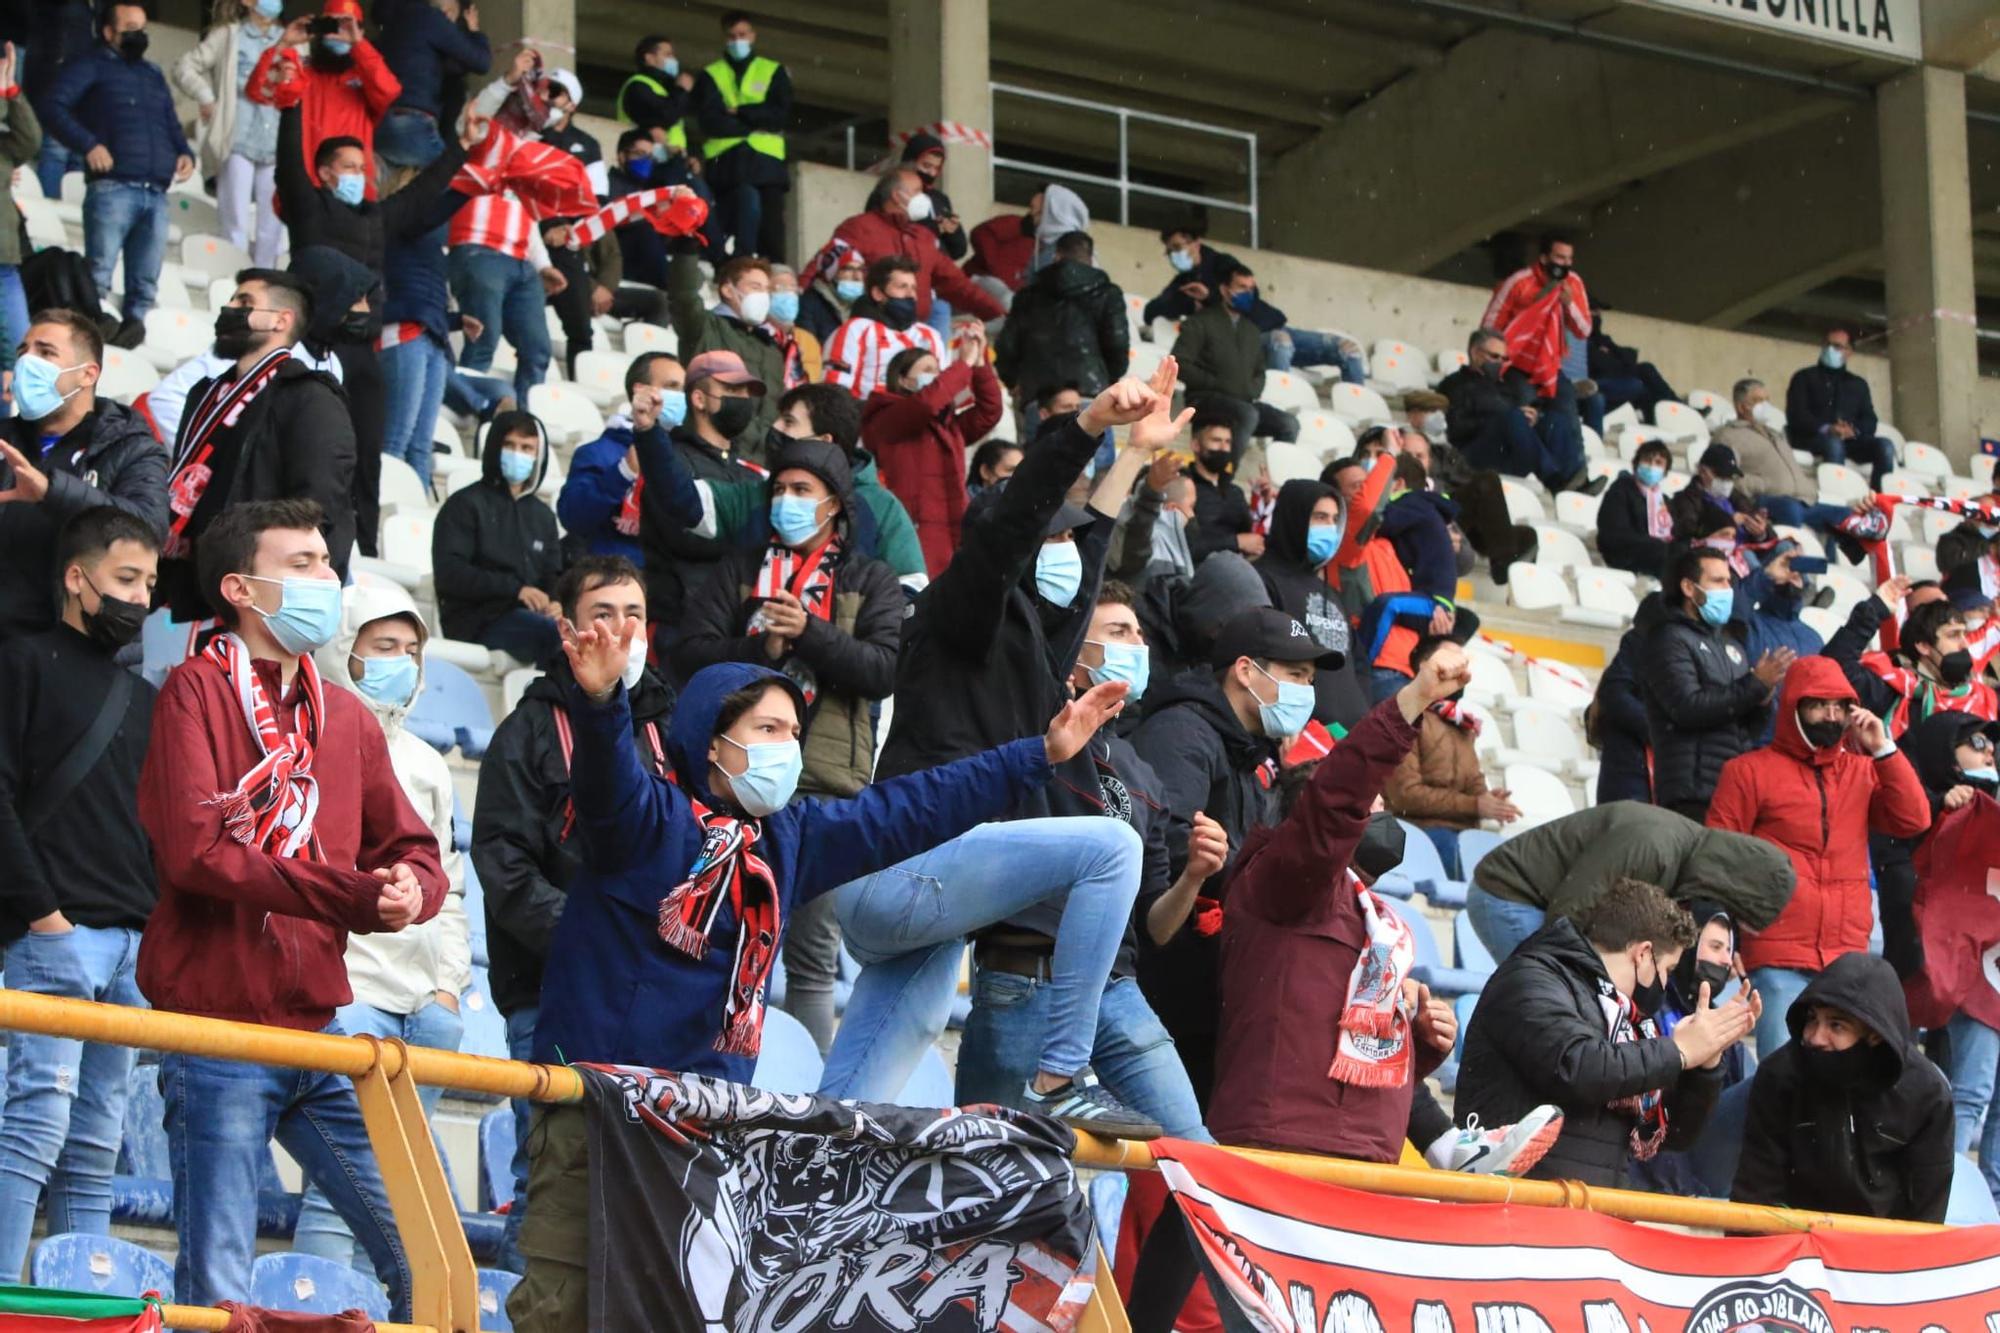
{"x": 444, "y": 1282}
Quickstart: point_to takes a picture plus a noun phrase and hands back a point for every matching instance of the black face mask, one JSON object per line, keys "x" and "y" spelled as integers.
{"x": 233, "y": 335}
{"x": 114, "y": 623}
{"x": 1849, "y": 1069}
{"x": 1556, "y": 272}
{"x": 1490, "y": 369}
{"x": 1716, "y": 975}
{"x": 1821, "y": 735}
{"x": 1219, "y": 462}
{"x": 354, "y": 327}
{"x": 1954, "y": 669}
{"x": 731, "y": 415}
{"x": 899, "y": 312}
{"x": 1649, "y": 996}
{"x": 132, "y": 45}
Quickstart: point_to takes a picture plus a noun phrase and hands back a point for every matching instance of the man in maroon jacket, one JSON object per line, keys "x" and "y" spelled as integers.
{"x": 887, "y": 228}
{"x": 278, "y": 826}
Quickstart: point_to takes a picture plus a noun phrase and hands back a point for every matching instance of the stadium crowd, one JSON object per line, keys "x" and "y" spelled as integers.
{"x": 832, "y": 660}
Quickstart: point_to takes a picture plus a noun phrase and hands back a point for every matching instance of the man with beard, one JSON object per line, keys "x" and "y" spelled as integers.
{"x": 340, "y": 83}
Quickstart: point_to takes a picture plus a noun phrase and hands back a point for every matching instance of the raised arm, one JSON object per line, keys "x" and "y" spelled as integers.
{"x": 622, "y": 810}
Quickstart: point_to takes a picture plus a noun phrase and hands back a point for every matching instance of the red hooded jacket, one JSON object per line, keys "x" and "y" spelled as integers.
{"x": 878, "y": 236}
{"x": 1819, "y": 807}
{"x": 918, "y": 440}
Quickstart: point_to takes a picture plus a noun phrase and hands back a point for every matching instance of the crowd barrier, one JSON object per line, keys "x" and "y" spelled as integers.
{"x": 444, "y": 1288}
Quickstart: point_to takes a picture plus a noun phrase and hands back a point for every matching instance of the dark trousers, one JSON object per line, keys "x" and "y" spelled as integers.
{"x": 1874, "y": 452}
{"x": 1551, "y": 448}
{"x": 574, "y": 310}
{"x": 367, "y": 406}
{"x": 1250, "y": 418}
{"x": 1643, "y": 386}
{"x": 753, "y": 216}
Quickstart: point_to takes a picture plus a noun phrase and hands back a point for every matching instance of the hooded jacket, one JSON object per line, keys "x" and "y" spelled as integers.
{"x": 1181, "y": 616}
{"x": 336, "y": 280}
{"x": 1818, "y": 806}
{"x": 918, "y": 440}
{"x": 850, "y": 657}
{"x": 1541, "y": 1034}
{"x": 1881, "y": 1147}
{"x": 1299, "y": 586}
{"x": 400, "y": 973}
{"x": 614, "y": 991}
{"x": 489, "y": 543}
{"x": 1704, "y": 704}
{"x": 1564, "y": 865}
{"x": 1067, "y": 325}
{"x": 1932, "y": 746}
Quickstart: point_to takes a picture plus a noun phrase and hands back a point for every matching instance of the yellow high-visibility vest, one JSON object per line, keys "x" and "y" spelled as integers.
{"x": 756, "y": 85}
{"x": 677, "y": 134}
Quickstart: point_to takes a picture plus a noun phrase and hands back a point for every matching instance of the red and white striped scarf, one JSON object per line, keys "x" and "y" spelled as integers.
{"x": 809, "y": 578}
{"x": 730, "y": 871}
{"x": 221, "y": 405}
{"x": 1454, "y": 712}
{"x": 673, "y": 210}
{"x": 1375, "y": 1048}
{"x": 1624, "y": 1023}
{"x": 272, "y": 807}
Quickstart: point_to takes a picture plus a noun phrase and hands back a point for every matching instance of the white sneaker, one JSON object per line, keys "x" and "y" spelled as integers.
{"x": 1510, "y": 1150}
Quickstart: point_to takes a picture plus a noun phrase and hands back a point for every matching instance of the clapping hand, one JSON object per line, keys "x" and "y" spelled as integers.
{"x": 1081, "y": 717}
{"x": 1706, "y": 1033}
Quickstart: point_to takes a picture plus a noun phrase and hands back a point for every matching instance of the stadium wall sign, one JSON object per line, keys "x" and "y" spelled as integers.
{"x": 1888, "y": 28}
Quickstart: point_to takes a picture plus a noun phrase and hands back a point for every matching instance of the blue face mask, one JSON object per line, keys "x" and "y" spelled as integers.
{"x": 337, "y": 46}
{"x": 769, "y": 781}
{"x": 1988, "y": 775}
{"x": 848, "y": 289}
{"x": 639, "y": 168}
{"x": 1059, "y": 572}
{"x": 1242, "y": 301}
{"x": 1129, "y": 662}
{"x": 784, "y": 307}
{"x": 1833, "y": 358}
{"x": 672, "y": 68}
{"x": 673, "y": 407}
{"x": 36, "y": 391}
{"x": 308, "y": 613}
{"x": 1182, "y": 261}
{"x": 795, "y": 518}
{"x": 738, "y": 50}
{"x": 1322, "y": 540}
{"x": 388, "y": 680}
{"x": 1650, "y": 474}
{"x": 270, "y": 9}
{"x": 1720, "y": 602}
{"x": 350, "y": 187}
{"x": 1288, "y": 714}
{"x": 516, "y": 468}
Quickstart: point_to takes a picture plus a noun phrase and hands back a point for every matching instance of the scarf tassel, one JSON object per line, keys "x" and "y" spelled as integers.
{"x": 1364, "y": 1019}
{"x": 744, "y": 1032}
{"x": 1391, "y": 1073}
{"x": 676, "y": 931}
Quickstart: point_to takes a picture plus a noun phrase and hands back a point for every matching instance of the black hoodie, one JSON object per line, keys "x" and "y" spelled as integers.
{"x": 488, "y": 543}
{"x": 1066, "y": 325}
{"x": 1298, "y": 586}
{"x": 1880, "y": 1148}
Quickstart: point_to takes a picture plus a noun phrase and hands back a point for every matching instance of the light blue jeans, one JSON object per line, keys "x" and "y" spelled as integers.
{"x": 413, "y": 379}
{"x": 65, "y": 1113}
{"x": 126, "y": 217}
{"x": 1133, "y": 1054}
{"x": 320, "y": 1230}
{"x": 1288, "y": 347}
{"x": 520, "y": 1046}
{"x": 1975, "y": 1055}
{"x": 907, "y": 927}
{"x": 505, "y": 295}
{"x": 1778, "y": 986}
{"x": 1500, "y": 923}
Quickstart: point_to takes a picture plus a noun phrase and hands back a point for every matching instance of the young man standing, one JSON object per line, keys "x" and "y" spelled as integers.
{"x": 78, "y": 884}
{"x": 278, "y": 825}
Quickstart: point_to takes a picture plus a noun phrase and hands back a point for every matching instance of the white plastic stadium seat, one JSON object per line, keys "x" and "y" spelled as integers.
{"x": 192, "y": 213}
{"x": 401, "y": 487}
{"x": 1144, "y": 359}
{"x": 126, "y": 375}
{"x": 1840, "y": 484}
{"x": 1847, "y": 592}
{"x": 1821, "y": 621}
{"x": 1400, "y": 370}
{"x": 1675, "y": 482}
{"x": 1964, "y": 488}
{"x": 1602, "y": 599}
{"x": 1678, "y": 421}
{"x": 1545, "y": 738}
{"x": 1539, "y": 794}
{"x": 171, "y": 289}
{"x": 1537, "y": 588}
{"x": 212, "y": 256}
{"x": 515, "y": 683}
{"x": 1491, "y": 681}
{"x": 1558, "y": 685}
{"x": 1523, "y": 506}
{"x": 1936, "y": 523}
{"x": 1289, "y": 390}
{"x": 1290, "y": 462}
{"x": 1714, "y": 407}
{"x": 1559, "y": 550}
{"x": 1906, "y": 484}
{"x": 1325, "y": 435}
{"x": 1449, "y": 360}
{"x": 406, "y": 538}
{"x": 643, "y": 337}
{"x": 1981, "y": 467}
{"x": 174, "y": 336}
{"x": 1593, "y": 445}
{"x": 600, "y": 375}
{"x": 1926, "y": 460}
{"x": 1891, "y": 434}
{"x": 1620, "y": 418}
{"x": 1394, "y": 347}
{"x": 567, "y": 413}
{"x": 1357, "y": 404}
{"x": 45, "y": 224}
{"x": 1578, "y": 511}
{"x": 1631, "y": 437}
{"x": 1919, "y": 562}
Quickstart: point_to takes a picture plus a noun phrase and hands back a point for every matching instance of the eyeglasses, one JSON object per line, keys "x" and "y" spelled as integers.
{"x": 1979, "y": 741}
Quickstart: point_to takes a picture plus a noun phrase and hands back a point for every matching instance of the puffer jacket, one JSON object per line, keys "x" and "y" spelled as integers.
{"x": 401, "y": 973}
{"x": 1704, "y": 705}
{"x": 1818, "y": 806}
{"x": 1565, "y": 864}
{"x": 488, "y": 544}
{"x": 1880, "y": 1148}
{"x": 1620, "y": 732}
{"x": 1540, "y": 1034}
{"x": 1439, "y": 782}
{"x": 1221, "y": 352}
{"x": 103, "y": 100}
{"x": 918, "y": 440}
{"x": 1067, "y": 324}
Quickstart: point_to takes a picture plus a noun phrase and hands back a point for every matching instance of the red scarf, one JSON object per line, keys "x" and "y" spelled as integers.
{"x": 807, "y": 577}
{"x": 1458, "y": 715}
{"x": 728, "y": 870}
{"x": 221, "y": 404}
{"x": 1375, "y": 1046}
{"x": 272, "y": 807}
{"x": 1648, "y": 1109}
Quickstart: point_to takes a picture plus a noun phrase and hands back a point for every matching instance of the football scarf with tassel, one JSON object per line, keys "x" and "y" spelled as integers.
{"x": 730, "y": 873}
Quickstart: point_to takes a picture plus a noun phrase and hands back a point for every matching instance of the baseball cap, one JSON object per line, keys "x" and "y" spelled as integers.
{"x": 1273, "y": 635}
{"x": 1721, "y": 460}
{"x": 567, "y": 81}
{"x": 724, "y": 368}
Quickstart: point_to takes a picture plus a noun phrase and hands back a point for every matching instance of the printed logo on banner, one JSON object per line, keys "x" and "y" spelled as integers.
{"x": 1760, "y": 1307}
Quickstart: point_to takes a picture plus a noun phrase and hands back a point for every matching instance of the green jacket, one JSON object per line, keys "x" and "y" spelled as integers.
{"x": 700, "y": 329}
{"x": 1564, "y": 865}
{"x": 1221, "y": 353}
{"x": 737, "y": 502}
{"x": 20, "y": 140}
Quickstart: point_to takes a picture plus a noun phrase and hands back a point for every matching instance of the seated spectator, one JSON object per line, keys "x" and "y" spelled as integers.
{"x": 1066, "y": 326}
{"x": 1635, "y": 528}
{"x": 1830, "y": 412}
{"x": 341, "y": 85}
{"x": 839, "y": 279}
{"x": 1425, "y": 410}
{"x": 658, "y": 97}
{"x": 428, "y": 47}
{"x": 343, "y": 851}
{"x": 1308, "y": 526}
{"x": 1615, "y": 723}
{"x": 1621, "y": 377}
{"x": 77, "y": 870}
{"x": 888, "y": 226}
{"x": 1830, "y": 775}
{"x": 914, "y": 428}
{"x": 880, "y": 326}
{"x": 495, "y": 549}
{"x": 1221, "y": 509}
{"x": 1890, "y": 1154}
{"x": 1770, "y": 472}
{"x": 1222, "y": 362}
{"x": 600, "y": 501}
{"x": 1718, "y": 485}
{"x": 85, "y": 453}
{"x": 1003, "y": 250}
{"x": 804, "y": 360}
{"x": 1705, "y": 701}
{"x": 1540, "y": 1033}
{"x": 992, "y": 462}
{"x": 236, "y": 139}
{"x": 1494, "y": 422}
{"x": 1930, "y": 670}
{"x": 1438, "y": 786}
{"x": 736, "y": 323}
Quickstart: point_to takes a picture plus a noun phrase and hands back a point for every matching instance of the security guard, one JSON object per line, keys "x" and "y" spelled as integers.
{"x": 657, "y": 97}
{"x": 743, "y": 102}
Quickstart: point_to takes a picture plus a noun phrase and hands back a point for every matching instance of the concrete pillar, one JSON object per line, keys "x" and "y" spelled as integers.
{"x": 939, "y": 69}
{"x": 1927, "y": 248}
{"x": 547, "y": 25}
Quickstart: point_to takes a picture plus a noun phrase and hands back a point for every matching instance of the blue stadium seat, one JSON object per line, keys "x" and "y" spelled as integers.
{"x": 461, "y": 824}
{"x": 1107, "y": 1200}
{"x": 1430, "y": 969}
{"x": 104, "y": 1265}
{"x": 930, "y": 1083}
{"x": 1425, "y": 868}
{"x": 496, "y": 1158}
{"x": 494, "y": 1284}
{"x": 144, "y": 1151}
{"x": 452, "y": 704}
{"x": 1971, "y": 1203}
{"x": 788, "y": 1061}
{"x": 1473, "y": 844}
{"x": 1472, "y": 954}
{"x": 312, "y": 1285}
{"x": 485, "y": 1028}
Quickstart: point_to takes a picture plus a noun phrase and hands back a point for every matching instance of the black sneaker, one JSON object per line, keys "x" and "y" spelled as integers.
{"x": 129, "y": 335}
{"x": 1084, "y": 1103}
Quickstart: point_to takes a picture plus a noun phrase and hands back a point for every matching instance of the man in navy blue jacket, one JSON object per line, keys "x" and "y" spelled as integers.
{"x": 112, "y": 109}
{"x": 425, "y": 43}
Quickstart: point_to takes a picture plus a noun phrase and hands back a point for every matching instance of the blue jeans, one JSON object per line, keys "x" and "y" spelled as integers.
{"x": 124, "y": 217}
{"x": 1778, "y": 987}
{"x": 504, "y": 294}
{"x": 1551, "y": 448}
{"x": 474, "y": 395}
{"x": 1133, "y": 1054}
{"x": 1288, "y": 347}
{"x": 940, "y": 318}
{"x": 320, "y": 1230}
{"x": 413, "y": 380}
{"x": 65, "y": 1113}
{"x": 520, "y": 1046}
{"x": 1796, "y": 513}
{"x": 13, "y": 319}
{"x": 55, "y": 162}
{"x": 408, "y": 138}
{"x": 1975, "y": 1055}
{"x": 1446, "y": 841}
{"x": 1384, "y": 682}
{"x": 526, "y": 636}
{"x": 1501, "y": 923}
{"x": 221, "y": 1118}
{"x": 1876, "y": 453}
{"x": 907, "y": 926}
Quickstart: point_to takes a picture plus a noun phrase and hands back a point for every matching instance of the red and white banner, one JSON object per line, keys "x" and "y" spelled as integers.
{"x": 1300, "y": 1257}
{"x": 1958, "y": 918}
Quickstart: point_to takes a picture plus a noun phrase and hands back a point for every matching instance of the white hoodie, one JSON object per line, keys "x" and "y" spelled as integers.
{"x": 402, "y": 972}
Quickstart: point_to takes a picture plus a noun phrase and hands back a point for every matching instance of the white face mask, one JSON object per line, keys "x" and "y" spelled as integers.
{"x": 755, "y": 307}
{"x": 635, "y": 665}
{"x": 919, "y": 208}
{"x": 1722, "y": 486}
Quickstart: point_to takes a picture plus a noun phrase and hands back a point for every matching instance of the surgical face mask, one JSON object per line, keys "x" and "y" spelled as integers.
{"x": 308, "y": 613}
{"x": 1058, "y": 572}
{"x": 1243, "y": 300}
{"x": 635, "y": 663}
{"x": 1823, "y": 734}
{"x": 114, "y": 623}
{"x": 1723, "y": 486}
{"x": 737, "y": 49}
{"x": 1954, "y": 669}
{"x": 270, "y": 9}
{"x": 1833, "y": 358}
{"x": 640, "y": 168}
{"x": 1985, "y": 779}
{"x": 1322, "y": 540}
{"x": 671, "y": 67}
{"x": 36, "y": 390}
{"x": 337, "y": 46}
{"x": 673, "y": 407}
{"x": 1650, "y": 474}
{"x": 1434, "y": 427}
{"x": 769, "y": 781}
{"x": 922, "y": 380}
{"x": 753, "y": 306}
{"x": 388, "y": 680}
{"x": 1716, "y": 605}
{"x": 784, "y": 307}
{"x": 919, "y": 208}
{"x": 1288, "y": 714}
{"x": 795, "y": 518}
{"x": 350, "y": 187}
{"x": 731, "y": 415}
{"x": 554, "y": 119}
{"x": 515, "y": 468}
{"x": 849, "y": 289}
{"x": 1182, "y": 261}
{"x": 1765, "y": 413}
{"x": 899, "y": 312}
{"x": 1129, "y": 662}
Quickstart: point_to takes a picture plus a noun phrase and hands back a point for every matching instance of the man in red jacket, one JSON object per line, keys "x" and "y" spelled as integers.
{"x": 887, "y": 228}
{"x": 1829, "y": 777}
{"x": 278, "y": 826}
{"x": 341, "y": 83}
